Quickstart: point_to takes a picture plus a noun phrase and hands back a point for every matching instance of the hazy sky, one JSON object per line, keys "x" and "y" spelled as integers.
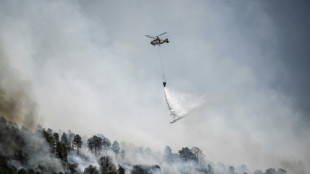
{"x": 91, "y": 69}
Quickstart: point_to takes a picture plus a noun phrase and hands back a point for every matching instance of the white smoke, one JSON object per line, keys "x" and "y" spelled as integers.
{"x": 181, "y": 104}
{"x": 83, "y": 160}
{"x": 86, "y": 158}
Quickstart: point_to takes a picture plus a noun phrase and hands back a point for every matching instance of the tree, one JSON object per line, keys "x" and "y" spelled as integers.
{"x": 148, "y": 151}
{"x": 98, "y": 144}
{"x": 12, "y": 170}
{"x": 115, "y": 148}
{"x": 95, "y": 143}
{"x": 198, "y": 153}
{"x": 210, "y": 169}
{"x": 77, "y": 142}
{"x": 56, "y": 137}
{"x": 22, "y": 171}
{"x": 50, "y": 140}
{"x": 137, "y": 169}
{"x": 61, "y": 151}
{"x": 122, "y": 154}
{"x": 145, "y": 169}
{"x": 21, "y": 156}
{"x": 281, "y": 171}
{"x": 91, "y": 170}
{"x": 64, "y": 140}
{"x": 50, "y": 131}
{"x": 271, "y": 171}
{"x": 31, "y": 171}
{"x": 106, "y": 143}
{"x": 72, "y": 167}
{"x": 106, "y": 164}
{"x": 231, "y": 170}
{"x": 187, "y": 155}
{"x": 121, "y": 170}
{"x": 141, "y": 150}
{"x": 70, "y": 138}
{"x": 258, "y": 172}
{"x": 91, "y": 144}
{"x": 167, "y": 154}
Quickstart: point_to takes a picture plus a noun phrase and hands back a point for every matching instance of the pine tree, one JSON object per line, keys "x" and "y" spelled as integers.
{"x": 121, "y": 170}
{"x": 50, "y": 140}
{"x": 115, "y": 148}
{"x": 77, "y": 142}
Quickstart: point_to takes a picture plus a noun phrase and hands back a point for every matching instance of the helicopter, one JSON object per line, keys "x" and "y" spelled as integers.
{"x": 158, "y": 41}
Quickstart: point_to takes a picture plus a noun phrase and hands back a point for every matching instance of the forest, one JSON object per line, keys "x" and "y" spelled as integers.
{"x": 25, "y": 151}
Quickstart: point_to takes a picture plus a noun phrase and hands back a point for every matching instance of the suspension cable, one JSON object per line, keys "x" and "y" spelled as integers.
{"x": 162, "y": 65}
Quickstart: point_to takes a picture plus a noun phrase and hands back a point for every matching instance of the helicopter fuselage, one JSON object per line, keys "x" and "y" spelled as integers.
{"x": 159, "y": 41}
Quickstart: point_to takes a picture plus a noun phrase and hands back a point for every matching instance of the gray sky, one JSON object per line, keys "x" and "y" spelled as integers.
{"x": 92, "y": 70}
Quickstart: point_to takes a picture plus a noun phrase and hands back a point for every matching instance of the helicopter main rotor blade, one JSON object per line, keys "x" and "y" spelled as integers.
{"x": 162, "y": 33}
{"x": 150, "y": 36}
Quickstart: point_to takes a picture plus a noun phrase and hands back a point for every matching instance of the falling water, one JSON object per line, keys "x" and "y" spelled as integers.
{"x": 181, "y": 104}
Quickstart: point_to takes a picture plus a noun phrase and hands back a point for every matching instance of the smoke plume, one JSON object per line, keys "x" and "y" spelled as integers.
{"x": 15, "y": 101}
{"x": 17, "y": 106}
